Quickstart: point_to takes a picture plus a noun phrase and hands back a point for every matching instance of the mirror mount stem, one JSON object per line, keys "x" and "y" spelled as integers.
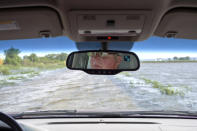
{"x": 104, "y": 46}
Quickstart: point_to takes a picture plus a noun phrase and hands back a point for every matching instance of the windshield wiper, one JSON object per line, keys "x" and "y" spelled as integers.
{"x": 128, "y": 114}
{"x": 30, "y": 114}
{"x": 164, "y": 113}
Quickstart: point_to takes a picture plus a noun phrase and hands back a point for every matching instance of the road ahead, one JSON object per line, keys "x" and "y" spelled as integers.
{"x": 65, "y": 89}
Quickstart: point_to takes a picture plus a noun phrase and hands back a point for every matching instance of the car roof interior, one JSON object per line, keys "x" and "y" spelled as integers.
{"x": 95, "y": 20}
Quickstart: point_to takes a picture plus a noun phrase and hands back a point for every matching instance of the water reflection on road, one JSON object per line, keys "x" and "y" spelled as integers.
{"x": 65, "y": 89}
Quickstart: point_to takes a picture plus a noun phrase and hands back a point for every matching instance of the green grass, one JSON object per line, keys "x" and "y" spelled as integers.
{"x": 16, "y": 78}
{"x": 33, "y": 74}
{"x": 186, "y": 87}
{"x": 30, "y": 73}
{"x": 51, "y": 67}
{"x": 4, "y": 70}
{"x": 5, "y": 83}
{"x": 132, "y": 85}
{"x": 164, "y": 89}
{"x": 127, "y": 74}
{"x": 27, "y": 72}
{"x": 47, "y": 66}
{"x": 7, "y": 69}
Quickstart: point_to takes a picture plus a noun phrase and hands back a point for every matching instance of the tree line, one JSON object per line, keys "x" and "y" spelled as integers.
{"x": 181, "y": 58}
{"x": 12, "y": 58}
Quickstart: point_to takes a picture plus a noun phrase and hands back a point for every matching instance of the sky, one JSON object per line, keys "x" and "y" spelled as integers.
{"x": 154, "y": 47}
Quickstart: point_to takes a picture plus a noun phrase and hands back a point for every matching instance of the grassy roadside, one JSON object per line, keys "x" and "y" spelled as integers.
{"x": 166, "y": 89}
{"x": 28, "y": 69}
{"x": 127, "y": 74}
{"x": 6, "y": 69}
{"x": 11, "y": 74}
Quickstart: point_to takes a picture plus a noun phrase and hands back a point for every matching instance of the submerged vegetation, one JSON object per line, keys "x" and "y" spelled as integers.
{"x": 16, "y": 77}
{"x": 6, "y": 83}
{"x": 14, "y": 68}
{"x": 127, "y": 74}
{"x": 166, "y": 89}
{"x": 4, "y": 70}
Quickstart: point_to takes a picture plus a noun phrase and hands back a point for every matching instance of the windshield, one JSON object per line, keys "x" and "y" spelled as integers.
{"x": 33, "y": 77}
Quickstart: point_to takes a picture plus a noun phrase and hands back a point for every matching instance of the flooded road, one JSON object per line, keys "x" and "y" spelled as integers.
{"x": 66, "y": 89}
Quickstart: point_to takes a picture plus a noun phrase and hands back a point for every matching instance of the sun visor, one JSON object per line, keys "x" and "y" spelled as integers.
{"x": 178, "y": 23}
{"x": 25, "y": 23}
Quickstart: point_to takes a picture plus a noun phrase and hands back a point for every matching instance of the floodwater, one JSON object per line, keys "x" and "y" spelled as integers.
{"x": 65, "y": 89}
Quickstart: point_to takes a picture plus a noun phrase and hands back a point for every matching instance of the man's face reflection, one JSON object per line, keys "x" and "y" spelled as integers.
{"x": 105, "y": 61}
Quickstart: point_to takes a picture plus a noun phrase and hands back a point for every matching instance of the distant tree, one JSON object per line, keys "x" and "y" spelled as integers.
{"x": 187, "y": 58}
{"x": 62, "y": 57}
{"x": 47, "y": 59}
{"x": 175, "y": 58}
{"x": 33, "y": 57}
{"x": 51, "y": 56}
{"x": 25, "y": 57}
{"x": 184, "y": 58}
{"x": 59, "y": 57}
{"x": 11, "y": 56}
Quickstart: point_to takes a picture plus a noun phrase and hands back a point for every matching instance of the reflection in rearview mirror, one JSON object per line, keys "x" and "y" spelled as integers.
{"x": 103, "y": 60}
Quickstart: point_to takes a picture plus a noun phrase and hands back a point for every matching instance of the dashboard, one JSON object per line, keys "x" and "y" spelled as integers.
{"x": 108, "y": 124}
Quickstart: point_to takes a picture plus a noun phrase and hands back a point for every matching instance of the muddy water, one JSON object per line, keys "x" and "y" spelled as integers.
{"x": 66, "y": 89}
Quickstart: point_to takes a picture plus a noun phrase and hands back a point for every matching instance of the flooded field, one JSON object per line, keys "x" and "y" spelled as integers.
{"x": 156, "y": 86}
{"x": 163, "y": 86}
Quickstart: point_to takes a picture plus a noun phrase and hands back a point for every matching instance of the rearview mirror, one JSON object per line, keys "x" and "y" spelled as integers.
{"x": 103, "y": 62}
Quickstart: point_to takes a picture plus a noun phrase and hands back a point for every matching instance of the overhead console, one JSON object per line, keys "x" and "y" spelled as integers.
{"x": 178, "y": 23}
{"x": 114, "y": 25}
{"x": 21, "y": 23}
